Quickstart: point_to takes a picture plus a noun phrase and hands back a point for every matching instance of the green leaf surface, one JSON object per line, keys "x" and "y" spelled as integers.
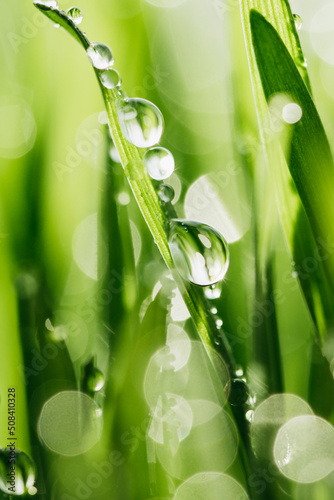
{"x": 146, "y": 196}
{"x": 295, "y": 159}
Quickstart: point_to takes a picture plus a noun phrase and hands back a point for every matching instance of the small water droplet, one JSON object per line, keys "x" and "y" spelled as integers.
{"x": 250, "y": 415}
{"x": 110, "y": 78}
{"x": 213, "y": 292}
{"x": 200, "y": 253}
{"x": 298, "y": 21}
{"x": 75, "y": 14}
{"x": 239, "y": 371}
{"x": 47, "y": 3}
{"x": 23, "y": 476}
{"x": 294, "y": 274}
{"x": 141, "y": 122}
{"x": 95, "y": 381}
{"x": 166, "y": 193}
{"x": 219, "y": 323}
{"x": 100, "y": 55}
{"x": 56, "y": 25}
{"x": 239, "y": 392}
{"x": 159, "y": 163}
{"x": 214, "y": 310}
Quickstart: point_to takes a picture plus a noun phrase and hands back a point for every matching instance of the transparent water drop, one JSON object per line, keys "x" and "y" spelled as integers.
{"x": 200, "y": 253}
{"x": 16, "y": 471}
{"x": 304, "y": 449}
{"x": 298, "y": 21}
{"x": 53, "y": 4}
{"x": 100, "y": 55}
{"x": 160, "y": 163}
{"x": 56, "y": 25}
{"x": 141, "y": 122}
{"x": 213, "y": 292}
{"x": 166, "y": 193}
{"x": 75, "y": 14}
{"x": 239, "y": 392}
{"x": 214, "y": 310}
{"x": 250, "y": 415}
{"x": 95, "y": 380}
{"x": 110, "y": 78}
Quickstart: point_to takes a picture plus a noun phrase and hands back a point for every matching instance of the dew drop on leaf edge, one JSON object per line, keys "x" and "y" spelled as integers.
{"x": 110, "y": 78}
{"x": 159, "y": 162}
{"x": 24, "y": 474}
{"x": 75, "y": 14}
{"x": 141, "y": 122}
{"x": 200, "y": 254}
{"x": 100, "y": 55}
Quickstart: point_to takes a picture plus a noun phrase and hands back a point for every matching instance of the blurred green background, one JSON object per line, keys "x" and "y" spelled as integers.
{"x": 69, "y": 254}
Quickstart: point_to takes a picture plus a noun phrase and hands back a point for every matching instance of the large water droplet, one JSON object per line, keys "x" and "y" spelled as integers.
{"x": 23, "y": 474}
{"x": 141, "y": 122}
{"x": 110, "y": 78}
{"x": 75, "y": 14}
{"x": 100, "y": 55}
{"x": 166, "y": 193}
{"x": 160, "y": 163}
{"x": 304, "y": 449}
{"x": 298, "y": 21}
{"x": 47, "y": 3}
{"x": 200, "y": 253}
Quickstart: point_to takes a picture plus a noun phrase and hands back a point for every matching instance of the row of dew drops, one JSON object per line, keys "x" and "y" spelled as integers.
{"x": 200, "y": 253}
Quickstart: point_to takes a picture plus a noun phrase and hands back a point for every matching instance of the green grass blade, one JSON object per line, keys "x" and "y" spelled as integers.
{"x": 146, "y": 196}
{"x": 310, "y": 160}
{"x": 296, "y": 223}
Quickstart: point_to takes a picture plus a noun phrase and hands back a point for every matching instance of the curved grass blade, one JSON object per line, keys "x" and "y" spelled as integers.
{"x": 146, "y": 196}
{"x": 310, "y": 160}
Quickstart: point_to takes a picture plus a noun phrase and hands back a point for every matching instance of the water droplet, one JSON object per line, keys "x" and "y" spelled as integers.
{"x": 250, "y": 415}
{"x": 304, "y": 449}
{"x": 100, "y": 55}
{"x": 214, "y": 310}
{"x": 95, "y": 380}
{"x": 298, "y": 21}
{"x": 159, "y": 163}
{"x": 239, "y": 392}
{"x": 292, "y": 113}
{"x": 56, "y": 25}
{"x": 166, "y": 193}
{"x": 110, "y": 78}
{"x": 213, "y": 292}
{"x": 47, "y": 3}
{"x": 219, "y": 323}
{"x": 141, "y": 122}
{"x": 239, "y": 372}
{"x": 75, "y": 14}
{"x": 200, "y": 253}
{"x": 23, "y": 475}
